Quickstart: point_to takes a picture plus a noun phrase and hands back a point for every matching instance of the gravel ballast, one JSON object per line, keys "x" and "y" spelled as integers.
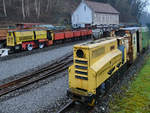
{"x": 38, "y": 99}
{"x": 15, "y": 66}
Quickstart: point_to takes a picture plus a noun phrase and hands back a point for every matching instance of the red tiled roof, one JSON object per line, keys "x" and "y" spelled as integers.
{"x": 101, "y": 7}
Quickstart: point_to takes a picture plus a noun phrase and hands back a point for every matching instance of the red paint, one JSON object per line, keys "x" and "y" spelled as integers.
{"x": 24, "y": 45}
{"x": 84, "y": 32}
{"x": 42, "y": 40}
{"x": 49, "y": 42}
{"x": 90, "y": 32}
{"x": 76, "y": 33}
{"x": 59, "y": 36}
{"x": 69, "y": 34}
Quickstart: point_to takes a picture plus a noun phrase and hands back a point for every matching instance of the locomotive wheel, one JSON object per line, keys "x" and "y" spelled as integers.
{"x": 29, "y": 47}
{"x": 41, "y": 45}
{"x": 93, "y": 102}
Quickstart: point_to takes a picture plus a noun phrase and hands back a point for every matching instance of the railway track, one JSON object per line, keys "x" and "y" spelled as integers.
{"x": 105, "y": 96}
{"x": 35, "y": 76}
{"x": 66, "y": 107}
{"x": 26, "y": 53}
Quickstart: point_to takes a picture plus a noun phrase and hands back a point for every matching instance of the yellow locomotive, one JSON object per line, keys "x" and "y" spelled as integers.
{"x": 28, "y": 39}
{"x": 94, "y": 63}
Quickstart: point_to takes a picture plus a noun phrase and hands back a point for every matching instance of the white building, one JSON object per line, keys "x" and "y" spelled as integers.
{"x": 94, "y": 13}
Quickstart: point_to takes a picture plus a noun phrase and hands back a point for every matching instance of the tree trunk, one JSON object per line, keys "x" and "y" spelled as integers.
{"x": 39, "y": 9}
{"x": 4, "y": 8}
{"x": 48, "y": 2}
{"x": 36, "y": 7}
{"x": 23, "y": 13}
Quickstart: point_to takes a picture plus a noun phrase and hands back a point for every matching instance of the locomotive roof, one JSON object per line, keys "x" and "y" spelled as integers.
{"x": 96, "y": 43}
{"x": 26, "y": 30}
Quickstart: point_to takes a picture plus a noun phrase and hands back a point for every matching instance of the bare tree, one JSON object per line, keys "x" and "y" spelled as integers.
{"x": 28, "y": 8}
{"x": 39, "y": 9}
{"x": 10, "y": 2}
{"x": 23, "y": 11}
{"x": 36, "y": 7}
{"x": 4, "y": 8}
{"x": 47, "y": 7}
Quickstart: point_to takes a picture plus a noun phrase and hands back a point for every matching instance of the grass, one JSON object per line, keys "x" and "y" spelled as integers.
{"x": 136, "y": 99}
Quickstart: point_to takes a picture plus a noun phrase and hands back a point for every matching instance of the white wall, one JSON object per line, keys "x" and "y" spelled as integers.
{"x": 82, "y": 15}
{"x": 101, "y": 18}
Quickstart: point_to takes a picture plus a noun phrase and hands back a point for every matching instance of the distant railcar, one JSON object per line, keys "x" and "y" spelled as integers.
{"x": 145, "y": 38}
{"x": 27, "y": 39}
{"x": 30, "y": 39}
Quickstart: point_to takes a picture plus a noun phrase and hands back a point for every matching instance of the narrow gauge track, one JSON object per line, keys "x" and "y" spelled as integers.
{"x": 71, "y": 104}
{"x": 37, "y": 75}
{"x": 66, "y": 107}
{"x": 34, "y": 51}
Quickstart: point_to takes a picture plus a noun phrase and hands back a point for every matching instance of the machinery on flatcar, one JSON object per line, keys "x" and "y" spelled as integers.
{"x": 99, "y": 64}
{"x": 30, "y": 39}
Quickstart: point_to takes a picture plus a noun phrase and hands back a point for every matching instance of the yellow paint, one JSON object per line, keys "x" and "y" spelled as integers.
{"x": 10, "y": 39}
{"x": 41, "y": 35}
{"x": 24, "y": 36}
{"x": 134, "y": 45}
{"x": 99, "y": 57}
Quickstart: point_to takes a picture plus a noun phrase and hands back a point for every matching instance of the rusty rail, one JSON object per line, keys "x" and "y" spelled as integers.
{"x": 37, "y": 75}
{"x": 66, "y": 107}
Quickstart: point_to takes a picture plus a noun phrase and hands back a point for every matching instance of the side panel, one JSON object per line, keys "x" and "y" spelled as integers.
{"x": 24, "y": 36}
{"x": 134, "y": 45}
{"x": 76, "y": 33}
{"x": 3, "y": 34}
{"x": 106, "y": 66}
{"x": 59, "y": 36}
{"x": 41, "y": 35}
{"x": 145, "y": 37}
{"x": 84, "y": 32}
{"x": 100, "y": 51}
{"x": 130, "y": 47}
{"x": 140, "y": 40}
{"x": 90, "y": 32}
{"x": 10, "y": 39}
{"x": 126, "y": 41}
{"x": 69, "y": 34}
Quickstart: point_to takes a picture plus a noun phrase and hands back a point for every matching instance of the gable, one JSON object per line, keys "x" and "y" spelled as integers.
{"x": 82, "y": 5}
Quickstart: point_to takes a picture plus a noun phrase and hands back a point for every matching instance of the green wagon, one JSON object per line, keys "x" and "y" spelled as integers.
{"x": 145, "y": 38}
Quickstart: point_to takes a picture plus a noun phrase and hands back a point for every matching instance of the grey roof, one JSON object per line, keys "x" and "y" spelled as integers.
{"x": 131, "y": 28}
{"x": 101, "y": 7}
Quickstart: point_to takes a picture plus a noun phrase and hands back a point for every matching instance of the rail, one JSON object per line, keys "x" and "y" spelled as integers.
{"x": 66, "y": 107}
{"x": 37, "y": 75}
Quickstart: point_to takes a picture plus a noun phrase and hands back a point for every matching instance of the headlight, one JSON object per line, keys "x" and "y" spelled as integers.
{"x": 80, "y": 53}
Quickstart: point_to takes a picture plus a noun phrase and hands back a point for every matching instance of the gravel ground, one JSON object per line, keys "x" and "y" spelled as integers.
{"x": 47, "y": 97}
{"x": 15, "y": 66}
